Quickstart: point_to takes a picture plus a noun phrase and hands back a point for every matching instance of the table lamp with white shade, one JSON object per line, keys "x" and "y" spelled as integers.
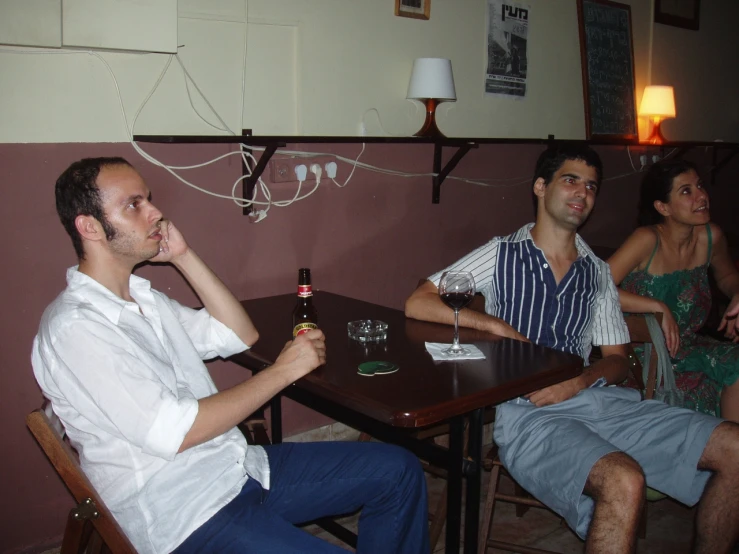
{"x": 658, "y": 103}
{"x": 431, "y": 82}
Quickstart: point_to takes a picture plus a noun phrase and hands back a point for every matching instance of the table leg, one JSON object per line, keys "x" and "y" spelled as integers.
{"x": 454, "y": 484}
{"x": 473, "y": 472}
{"x": 275, "y": 409}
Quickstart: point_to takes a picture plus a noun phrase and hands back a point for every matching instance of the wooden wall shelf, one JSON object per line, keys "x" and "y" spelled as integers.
{"x": 463, "y": 145}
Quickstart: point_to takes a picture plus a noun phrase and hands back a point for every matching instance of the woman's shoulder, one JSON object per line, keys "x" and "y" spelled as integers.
{"x": 634, "y": 254}
{"x": 647, "y": 233}
{"x": 715, "y": 232}
{"x": 643, "y": 240}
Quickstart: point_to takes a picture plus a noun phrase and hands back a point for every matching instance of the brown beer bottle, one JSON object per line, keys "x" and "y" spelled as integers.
{"x": 305, "y": 315}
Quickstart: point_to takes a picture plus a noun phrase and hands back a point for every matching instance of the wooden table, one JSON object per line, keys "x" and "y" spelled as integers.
{"x": 421, "y": 393}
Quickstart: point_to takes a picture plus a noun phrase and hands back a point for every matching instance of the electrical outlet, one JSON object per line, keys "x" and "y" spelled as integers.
{"x": 283, "y": 170}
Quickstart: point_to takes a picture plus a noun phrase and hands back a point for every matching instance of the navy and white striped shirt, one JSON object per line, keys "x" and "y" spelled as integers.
{"x": 519, "y": 287}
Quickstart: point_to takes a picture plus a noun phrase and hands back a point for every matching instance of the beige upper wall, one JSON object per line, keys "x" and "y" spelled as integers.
{"x": 322, "y": 67}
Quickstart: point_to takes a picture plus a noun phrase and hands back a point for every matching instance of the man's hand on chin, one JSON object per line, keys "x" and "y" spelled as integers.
{"x": 172, "y": 245}
{"x": 556, "y": 393}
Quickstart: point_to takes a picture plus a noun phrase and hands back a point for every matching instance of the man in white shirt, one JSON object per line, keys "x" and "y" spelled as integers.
{"x": 122, "y": 366}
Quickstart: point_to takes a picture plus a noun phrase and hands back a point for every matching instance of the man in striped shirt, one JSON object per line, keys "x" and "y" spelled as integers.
{"x": 583, "y": 449}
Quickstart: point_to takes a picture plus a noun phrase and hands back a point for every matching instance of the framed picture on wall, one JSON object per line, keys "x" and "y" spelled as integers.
{"x": 417, "y": 9}
{"x": 607, "y": 54}
{"x": 678, "y": 13}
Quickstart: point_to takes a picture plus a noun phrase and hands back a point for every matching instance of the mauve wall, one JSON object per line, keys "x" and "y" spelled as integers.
{"x": 371, "y": 240}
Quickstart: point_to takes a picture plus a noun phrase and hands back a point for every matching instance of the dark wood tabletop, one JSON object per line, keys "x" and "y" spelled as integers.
{"x": 421, "y": 392}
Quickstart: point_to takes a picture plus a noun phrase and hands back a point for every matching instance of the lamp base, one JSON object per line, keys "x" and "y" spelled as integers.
{"x": 429, "y": 129}
{"x": 656, "y": 136}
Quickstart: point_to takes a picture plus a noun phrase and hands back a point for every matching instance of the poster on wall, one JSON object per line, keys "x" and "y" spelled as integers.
{"x": 507, "y": 60}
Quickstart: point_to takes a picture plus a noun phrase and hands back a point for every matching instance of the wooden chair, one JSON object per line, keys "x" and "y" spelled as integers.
{"x": 91, "y": 528}
{"x": 254, "y": 429}
{"x": 639, "y": 333}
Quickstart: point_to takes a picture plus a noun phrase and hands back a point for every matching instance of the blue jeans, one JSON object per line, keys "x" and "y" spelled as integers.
{"x": 313, "y": 480}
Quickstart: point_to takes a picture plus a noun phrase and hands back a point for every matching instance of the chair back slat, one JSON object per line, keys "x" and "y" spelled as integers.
{"x": 64, "y": 460}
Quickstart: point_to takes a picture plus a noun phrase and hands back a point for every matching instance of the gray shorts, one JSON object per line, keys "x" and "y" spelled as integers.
{"x": 551, "y": 450}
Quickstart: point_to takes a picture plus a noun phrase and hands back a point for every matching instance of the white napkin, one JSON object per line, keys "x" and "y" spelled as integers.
{"x": 436, "y": 349}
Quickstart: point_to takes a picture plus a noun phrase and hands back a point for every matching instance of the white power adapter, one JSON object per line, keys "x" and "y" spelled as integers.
{"x": 258, "y": 215}
{"x": 301, "y": 172}
{"x": 331, "y": 168}
{"x": 316, "y": 170}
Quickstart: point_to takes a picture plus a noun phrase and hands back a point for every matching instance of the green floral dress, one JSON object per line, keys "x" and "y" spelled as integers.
{"x": 703, "y": 365}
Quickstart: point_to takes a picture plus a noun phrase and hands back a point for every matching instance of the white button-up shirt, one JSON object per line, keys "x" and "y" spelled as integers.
{"x": 125, "y": 378}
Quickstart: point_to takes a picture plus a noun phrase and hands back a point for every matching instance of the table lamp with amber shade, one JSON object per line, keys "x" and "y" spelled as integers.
{"x": 431, "y": 82}
{"x": 658, "y": 103}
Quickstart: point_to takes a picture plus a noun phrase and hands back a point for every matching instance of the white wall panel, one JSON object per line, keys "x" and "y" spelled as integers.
{"x": 141, "y": 25}
{"x": 321, "y": 67}
{"x": 212, "y": 51}
{"x": 222, "y": 10}
{"x": 31, "y": 22}
{"x": 270, "y": 92}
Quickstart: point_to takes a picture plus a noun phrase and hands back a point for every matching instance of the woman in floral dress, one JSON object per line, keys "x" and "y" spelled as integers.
{"x": 663, "y": 267}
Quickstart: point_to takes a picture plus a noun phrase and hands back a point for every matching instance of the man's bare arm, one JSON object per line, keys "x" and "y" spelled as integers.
{"x": 727, "y": 280}
{"x": 613, "y": 367}
{"x": 215, "y": 296}
{"x": 222, "y": 411}
{"x": 426, "y": 305}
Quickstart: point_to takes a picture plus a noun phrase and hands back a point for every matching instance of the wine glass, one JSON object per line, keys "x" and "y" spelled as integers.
{"x": 456, "y": 289}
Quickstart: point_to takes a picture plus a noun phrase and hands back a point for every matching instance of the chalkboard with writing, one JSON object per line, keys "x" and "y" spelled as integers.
{"x": 608, "y": 69}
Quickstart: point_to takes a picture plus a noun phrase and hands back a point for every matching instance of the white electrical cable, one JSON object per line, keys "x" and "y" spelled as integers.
{"x": 151, "y": 93}
{"x": 241, "y": 202}
{"x": 129, "y": 129}
{"x": 188, "y": 76}
{"x": 283, "y": 203}
{"x": 631, "y": 161}
{"x": 356, "y": 160}
{"x": 194, "y": 109}
{"x": 379, "y": 120}
{"x": 368, "y": 167}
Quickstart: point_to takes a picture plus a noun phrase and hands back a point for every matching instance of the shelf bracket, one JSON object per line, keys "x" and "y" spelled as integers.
{"x": 716, "y": 165}
{"x": 252, "y": 175}
{"x": 441, "y": 174}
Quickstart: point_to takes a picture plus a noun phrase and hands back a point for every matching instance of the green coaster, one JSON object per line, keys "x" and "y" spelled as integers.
{"x": 368, "y": 369}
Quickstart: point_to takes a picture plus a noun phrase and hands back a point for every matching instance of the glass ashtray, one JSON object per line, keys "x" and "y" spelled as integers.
{"x": 367, "y": 330}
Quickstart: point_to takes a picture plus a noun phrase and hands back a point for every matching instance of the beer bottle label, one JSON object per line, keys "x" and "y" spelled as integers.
{"x": 304, "y": 291}
{"x": 304, "y": 327}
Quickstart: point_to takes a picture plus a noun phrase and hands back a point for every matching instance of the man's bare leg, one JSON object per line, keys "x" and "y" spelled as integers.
{"x": 717, "y": 520}
{"x": 617, "y": 485}
{"x": 730, "y": 402}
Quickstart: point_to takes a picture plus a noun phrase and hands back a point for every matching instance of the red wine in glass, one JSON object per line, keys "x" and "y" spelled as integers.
{"x": 456, "y": 289}
{"x": 457, "y": 300}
